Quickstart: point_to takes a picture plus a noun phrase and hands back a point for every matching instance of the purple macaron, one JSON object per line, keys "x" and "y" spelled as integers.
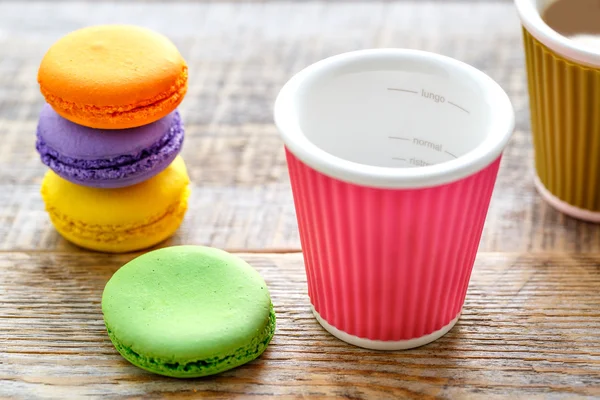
{"x": 107, "y": 158}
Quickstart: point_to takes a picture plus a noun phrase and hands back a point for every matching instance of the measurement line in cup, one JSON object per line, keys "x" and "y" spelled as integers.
{"x": 457, "y": 106}
{"x": 403, "y": 90}
{"x": 417, "y": 162}
{"x": 435, "y": 146}
{"x": 436, "y": 97}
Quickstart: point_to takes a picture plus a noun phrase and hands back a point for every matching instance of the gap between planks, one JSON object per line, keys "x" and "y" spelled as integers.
{"x": 91, "y": 253}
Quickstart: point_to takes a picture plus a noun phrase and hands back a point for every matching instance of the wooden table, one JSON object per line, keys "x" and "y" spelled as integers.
{"x": 531, "y": 323}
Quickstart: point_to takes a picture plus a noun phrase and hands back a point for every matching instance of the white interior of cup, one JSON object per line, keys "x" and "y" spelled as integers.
{"x": 396, "y": 113}
{"x": 394, "y": 118}
{"x": 579, "y": 51}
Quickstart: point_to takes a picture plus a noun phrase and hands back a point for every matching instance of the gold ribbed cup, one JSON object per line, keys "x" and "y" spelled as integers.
{"x": 564, "y": 93}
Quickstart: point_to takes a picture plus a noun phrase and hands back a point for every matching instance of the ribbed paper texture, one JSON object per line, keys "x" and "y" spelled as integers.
{"x": 565, "y": 120}
{"x": 387, "y": 264}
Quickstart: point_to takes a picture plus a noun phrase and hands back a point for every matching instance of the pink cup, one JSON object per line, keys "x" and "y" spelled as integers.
{"x": 393, "y": 156}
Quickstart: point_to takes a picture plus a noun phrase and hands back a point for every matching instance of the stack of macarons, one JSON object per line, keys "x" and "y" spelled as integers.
{"x": 111, "y": 135}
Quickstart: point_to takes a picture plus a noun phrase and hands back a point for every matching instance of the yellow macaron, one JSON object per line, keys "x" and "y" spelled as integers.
{"x": 119, "y": 220}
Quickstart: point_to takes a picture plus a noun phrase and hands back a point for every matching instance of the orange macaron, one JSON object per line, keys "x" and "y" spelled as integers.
{"x": 113, "y": 76}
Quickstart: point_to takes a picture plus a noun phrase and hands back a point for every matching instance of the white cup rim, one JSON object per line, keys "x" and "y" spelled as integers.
{"x": 532, "y": 21}
{"x": 501, "y": 127}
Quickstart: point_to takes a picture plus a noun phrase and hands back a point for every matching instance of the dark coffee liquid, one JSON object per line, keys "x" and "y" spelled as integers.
{"x": 573, "y": 17}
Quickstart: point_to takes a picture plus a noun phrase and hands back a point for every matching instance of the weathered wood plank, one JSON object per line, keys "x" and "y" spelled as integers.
{"x": 239, "y": 56}
{"x": 233, "y": 218}
{"x": 241, "y": 199}
{"x": 529, "y": 329}
{"x": 530, "y": 325}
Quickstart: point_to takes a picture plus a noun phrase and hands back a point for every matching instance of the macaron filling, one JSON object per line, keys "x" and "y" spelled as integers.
{"x": 213, "y": 365}
{"x": 163, "y": 100}
{"x": 116, "y": 168}
{"x": 116, "y": 234}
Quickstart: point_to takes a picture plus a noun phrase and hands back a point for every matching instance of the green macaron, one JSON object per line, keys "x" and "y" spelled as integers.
{"x": 188, "y": 311}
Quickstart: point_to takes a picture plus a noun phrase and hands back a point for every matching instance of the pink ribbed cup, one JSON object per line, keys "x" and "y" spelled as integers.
{"x": 389, "y": 249}
{"x": 386, "y": 264}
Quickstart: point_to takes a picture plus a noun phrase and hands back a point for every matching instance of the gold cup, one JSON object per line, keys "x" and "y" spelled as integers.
{"x": 564, "y": 92}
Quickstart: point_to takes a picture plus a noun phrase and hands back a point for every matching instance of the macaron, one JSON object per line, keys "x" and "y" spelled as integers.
{"x": 107, "y": 158}
{"x": 122, "y": 219}
{"x": 188, "y": 311}
{"x": 113, "y": 76}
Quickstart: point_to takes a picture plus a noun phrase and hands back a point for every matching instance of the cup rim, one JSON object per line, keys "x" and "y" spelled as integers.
{"x": 501, "y": 127}
{"x": 532, "y": 21}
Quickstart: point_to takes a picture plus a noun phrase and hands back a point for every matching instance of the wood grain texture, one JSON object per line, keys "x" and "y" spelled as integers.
{"x": 530, "y": 328}
{"x": 239, "y": 56}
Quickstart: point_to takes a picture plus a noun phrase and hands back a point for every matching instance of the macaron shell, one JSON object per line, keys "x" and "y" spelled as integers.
{"x": 188, "y": 307}
{"x": 107, "y": 158}
{"x": 118, "y": 176}
{"x": 113, "y": 76}
{"x": 84, "y": 143}
{"x": 119, "y": 181}
{"x": 113, "y": 118}
{"x": 122, "y": 219}
{"x": 121, "y": 206}
{"x": 120, "y": 239}
{"x": 216, "y": 365}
